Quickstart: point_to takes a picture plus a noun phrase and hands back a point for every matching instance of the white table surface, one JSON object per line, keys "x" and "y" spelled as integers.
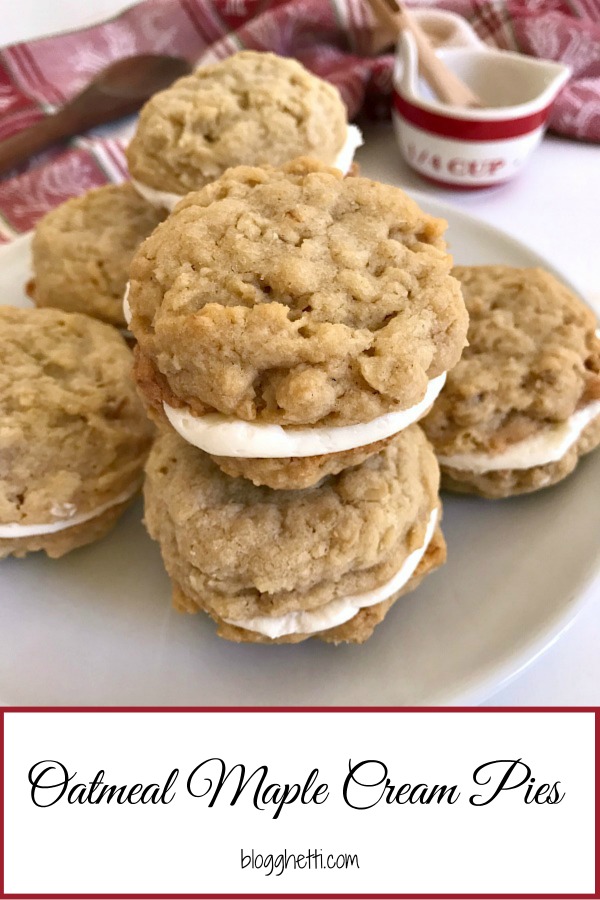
{"x": 555, "y": 208}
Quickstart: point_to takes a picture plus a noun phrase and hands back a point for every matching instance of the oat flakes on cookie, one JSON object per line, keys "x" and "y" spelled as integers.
{"x": 250, "y": 109}
{"x": 291, "y": 314}
{"x": 523, "y": 404}
{"x": 73, "y": 433}
{"x": 82, "y": 249}
{"x": 345, "y": 550}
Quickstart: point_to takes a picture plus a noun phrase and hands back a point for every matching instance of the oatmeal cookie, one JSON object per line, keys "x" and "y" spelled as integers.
{"x": 252, "y": 108}
{"x": 356, "y": 630}
{"x": 523, "y": 403}
{"x": 350, "y": 536}
{"x": 295, "y": 297}
{"x": 73, "y": 433}
{"x": 82, "y": 249}
{"x": 295, "y": 473}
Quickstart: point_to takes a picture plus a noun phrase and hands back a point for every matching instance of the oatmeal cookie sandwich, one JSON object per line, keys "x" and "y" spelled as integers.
{"x": 291, "y": 321}
{"x": 252, "y": 108}
{"x": 523, "y": 404}
{"x": 73, "y": 433}
{"x": 82, "y": 249}
{"x": 345, "y": 550}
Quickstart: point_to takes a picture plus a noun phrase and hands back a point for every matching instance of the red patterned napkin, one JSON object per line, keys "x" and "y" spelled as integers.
{"x": 328, "y": 36}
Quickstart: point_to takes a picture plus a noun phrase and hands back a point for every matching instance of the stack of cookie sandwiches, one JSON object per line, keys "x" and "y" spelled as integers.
{"x": 249, "y": 108}
{"x": 292, "y": 327}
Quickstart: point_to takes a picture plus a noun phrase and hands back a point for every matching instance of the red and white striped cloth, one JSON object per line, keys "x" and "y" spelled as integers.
{"x": 328, "y": 36}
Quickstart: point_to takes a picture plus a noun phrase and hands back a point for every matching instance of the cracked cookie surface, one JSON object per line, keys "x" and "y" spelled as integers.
{"x": 252, "y": 108}
{"x": 295, "y": 296}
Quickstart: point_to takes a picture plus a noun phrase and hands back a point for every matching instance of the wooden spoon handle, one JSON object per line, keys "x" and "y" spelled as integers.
{"x": 393, "y": 16}
{"x": 19, "y": 147}
{"x": 389, "y": 24}
{"x": 448, "y": 86}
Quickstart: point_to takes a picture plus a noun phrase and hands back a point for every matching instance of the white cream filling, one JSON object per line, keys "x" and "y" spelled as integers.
{"x": 224, "y": 435}
{"x": 168, "y": 200}
{"x": 126, "y": 306}
{"x": 16, "y": 530}
{"x": 342, "y": 609}
{"x": 345, "y": 157}
{"x": 537, "y": 450}
{"x": 160, "y": 199}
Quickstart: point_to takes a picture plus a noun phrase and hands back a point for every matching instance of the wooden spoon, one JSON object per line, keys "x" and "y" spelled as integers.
{"x": 119, "y": 90}
{"x": 448, "y": 87}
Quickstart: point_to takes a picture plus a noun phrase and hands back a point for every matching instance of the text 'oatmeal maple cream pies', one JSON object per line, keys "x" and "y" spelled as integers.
{"x": 73, "y": 433}
{"x": 523, "y": 404}
{"x": 291, "y": 320}
{"x": 250, "y": 109}
{"x": 345, "y": 550}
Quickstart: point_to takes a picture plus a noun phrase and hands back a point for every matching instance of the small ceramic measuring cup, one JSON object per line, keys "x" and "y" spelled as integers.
{"x": 471, "y": 148}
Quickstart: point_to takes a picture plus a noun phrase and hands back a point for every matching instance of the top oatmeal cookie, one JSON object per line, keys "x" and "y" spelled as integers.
{"x": 533, "y": 359}
{"x": 253, "y": 108}
{"x": 295, "y": 296}
{"x": 82, "y": 249}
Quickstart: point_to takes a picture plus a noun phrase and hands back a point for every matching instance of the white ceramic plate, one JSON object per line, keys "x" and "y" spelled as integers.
{"x": 96, "y": 627}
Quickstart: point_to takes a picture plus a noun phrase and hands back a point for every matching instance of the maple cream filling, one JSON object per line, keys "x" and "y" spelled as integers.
{"x": 126, "y": 306}
{"x": 168, "y": 200}
{"x": 342, "y": 609}
{"x": 71, "y": 518}
{"x": 224, "y": 435}
{"x": 538, "y": 450}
